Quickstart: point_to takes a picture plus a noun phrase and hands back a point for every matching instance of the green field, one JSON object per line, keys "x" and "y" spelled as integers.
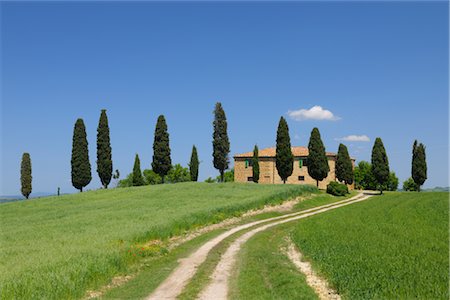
{"x": 394, "y": 246}
{"x": 58, "y": 247}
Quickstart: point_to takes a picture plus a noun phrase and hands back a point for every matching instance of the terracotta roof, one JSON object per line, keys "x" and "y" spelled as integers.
{"x": 270, "y": 152}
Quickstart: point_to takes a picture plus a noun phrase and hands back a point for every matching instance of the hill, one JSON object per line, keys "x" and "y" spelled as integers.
{"x": 58, "y": 247}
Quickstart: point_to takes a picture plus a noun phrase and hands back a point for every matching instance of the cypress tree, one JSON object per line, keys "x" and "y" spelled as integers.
{"x": 162, "y": 163}
{"x": 193, "y": 165}
{"x": 25, "y": 175}
{"x": 221, "y": 143}
{"x": 344, "y": 168}
{"x": 138, "y": 180}
{"x": 419, "y": 165}
{"x": 380, "y": 164}
{"x": 81, "y": 167}
{"x": 104, "y": 160}
{"x": 284, "y": 158}
{"x": 318, "y": 167}
{"x": 255, "y": 163}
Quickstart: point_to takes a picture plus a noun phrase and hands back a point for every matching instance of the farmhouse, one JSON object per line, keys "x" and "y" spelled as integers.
{"x": 268, "y": 171}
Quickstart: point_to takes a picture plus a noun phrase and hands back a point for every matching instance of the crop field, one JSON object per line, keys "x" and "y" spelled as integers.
{"x": 394, "y": 246}
{"x": 58, "y": 247}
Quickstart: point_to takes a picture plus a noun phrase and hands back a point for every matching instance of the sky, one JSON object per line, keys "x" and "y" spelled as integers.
{"x": 355, "y": 70}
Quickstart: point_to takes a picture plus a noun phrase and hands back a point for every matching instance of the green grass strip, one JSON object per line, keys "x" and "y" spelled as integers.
{"x": 393, "y": 246}
{"x": 265, "y": 272}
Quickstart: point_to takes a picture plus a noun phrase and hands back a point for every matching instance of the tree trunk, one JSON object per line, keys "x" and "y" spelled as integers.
{"x": 317, "y": 183}
{"x": 284, "y": 181}
{"x": 418, "y": 188}
{"x": 221, "y": 175}
{"x": 81, "y": 189}
{"x": 162, "y": 179}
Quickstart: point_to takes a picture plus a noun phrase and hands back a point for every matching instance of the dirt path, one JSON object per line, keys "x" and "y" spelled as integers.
{"x": 319, "y": 285}
{"x": 218, "y": 286}
{"x": 173, "y": 285}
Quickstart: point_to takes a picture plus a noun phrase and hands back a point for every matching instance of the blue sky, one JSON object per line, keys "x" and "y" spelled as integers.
{"x": 380, "y": 69}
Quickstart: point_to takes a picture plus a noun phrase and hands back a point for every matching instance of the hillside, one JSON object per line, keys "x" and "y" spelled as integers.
{"x": 58, "y": 247}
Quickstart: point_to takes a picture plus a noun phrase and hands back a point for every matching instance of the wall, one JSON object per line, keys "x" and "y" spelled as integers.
{"x": 269, "y": 173}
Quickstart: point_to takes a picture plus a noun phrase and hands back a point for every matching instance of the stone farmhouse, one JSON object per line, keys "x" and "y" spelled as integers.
{"x": 268, "y": 171}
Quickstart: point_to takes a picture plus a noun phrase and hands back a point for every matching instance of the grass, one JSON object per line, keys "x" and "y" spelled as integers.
{"x": 155, "y": 269}
{"x": 265, "y": 272}
{"x": 58, "y": 247}
{"x": 322, "y": 199}
{"x": 391, "y": 246}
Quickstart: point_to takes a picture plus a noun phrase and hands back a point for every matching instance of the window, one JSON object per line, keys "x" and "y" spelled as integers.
{"x": 304, "y": 162}
{"x": 301, "y": 178}
{"x": 248, "y": 162}
{"x": 250, "y": 178}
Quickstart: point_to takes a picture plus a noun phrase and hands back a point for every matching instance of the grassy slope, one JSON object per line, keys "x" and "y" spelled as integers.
{"x": 392, "y": 246}
{"x": 58, "y": 247}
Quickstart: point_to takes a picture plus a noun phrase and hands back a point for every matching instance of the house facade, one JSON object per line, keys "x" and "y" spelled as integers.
{"x": 268, "y": 171}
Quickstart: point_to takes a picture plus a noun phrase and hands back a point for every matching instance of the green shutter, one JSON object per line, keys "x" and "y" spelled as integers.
{"x": 300, "y": 163}
{"x": 246, "y": 163}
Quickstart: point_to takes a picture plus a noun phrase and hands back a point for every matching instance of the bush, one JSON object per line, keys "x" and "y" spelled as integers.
{"x": 150, "y": 177}
{"x": 337, "y": 189}
{"x": 228, "y": 176}
{"x": 178, "y": 174}
{"x": 126, "y": 182}
{"x": 210, "y": 180}
{"x": 409, "y": 185}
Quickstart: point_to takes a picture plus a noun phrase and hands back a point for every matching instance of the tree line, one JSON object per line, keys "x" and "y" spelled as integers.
{"x": 318, "y": 167}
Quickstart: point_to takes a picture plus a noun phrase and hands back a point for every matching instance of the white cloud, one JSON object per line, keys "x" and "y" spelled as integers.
{"x": 314, "y": 113}
{"x": 354, "y": 138}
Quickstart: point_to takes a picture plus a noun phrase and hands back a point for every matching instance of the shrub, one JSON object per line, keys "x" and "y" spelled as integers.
{"x": 337, "y": 189}
{"x": 210, "y": 180}
{"x": 409, "y": 185}
{"x": 178, "y": 174}
{"x": 150, "y": 177}
{"x": 228, "y": 176}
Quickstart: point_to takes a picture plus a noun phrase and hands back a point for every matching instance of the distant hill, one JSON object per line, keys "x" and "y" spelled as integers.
{"x": 437, "y": 189}
{"x": 12, "y": 198}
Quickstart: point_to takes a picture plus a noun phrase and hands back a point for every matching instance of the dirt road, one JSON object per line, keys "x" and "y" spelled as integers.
{"x": 218, "y": 287}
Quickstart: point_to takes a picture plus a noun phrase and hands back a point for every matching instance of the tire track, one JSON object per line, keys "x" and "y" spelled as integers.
{"x": 174, "y": 284}
{"x": 218, "y": 287}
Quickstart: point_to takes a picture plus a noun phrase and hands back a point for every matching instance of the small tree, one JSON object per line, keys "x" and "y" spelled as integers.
{"x": 344, "y": 167}
{"x": 81, "y": 167}
{"x": 126, "y": 182}
{"x": 151, "y": 178}
{"x": 284, "y": 159}
{"x": 318, "y": 167}
{"x": 380, "y": 164}
{"x": 419, "y": 165}
{"x": 392, "y": 184}
{"x": 221, "y": 143}
{"x": 138, "y": 180}
{"x": 25, "y": 175}
{"x": 161, "y": 150}
{"x": 178, "y": 174}
{"x": 228, "y": 176}
{"x": 409, "y": 185}
{"x": 255, "y": 163}
{"x": 104, "y": 160}
{"x": 193, "y": 165}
